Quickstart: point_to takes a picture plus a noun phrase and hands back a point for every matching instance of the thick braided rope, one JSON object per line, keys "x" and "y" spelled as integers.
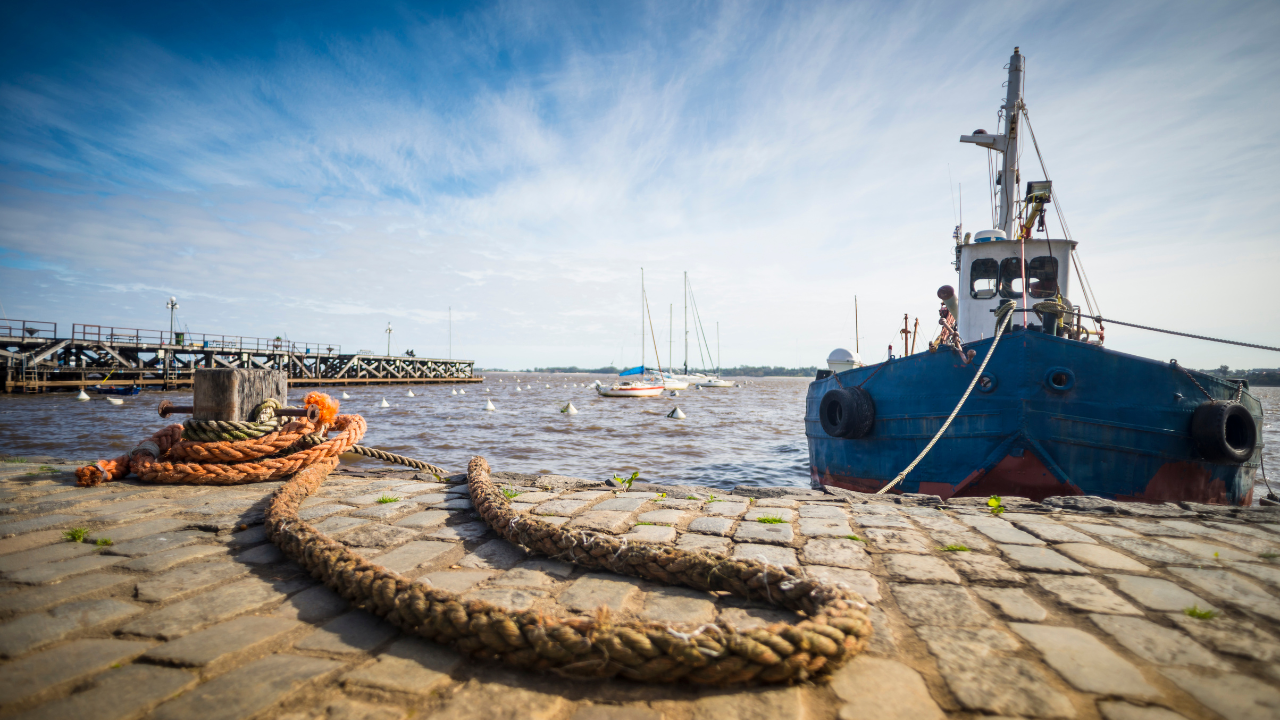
{"x": 835, "y": 630}
{"x": 398, "y": 459}
{"x": 225, "y": 430}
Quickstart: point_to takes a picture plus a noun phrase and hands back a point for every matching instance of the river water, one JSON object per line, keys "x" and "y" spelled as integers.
{"x": 747, "y": 435}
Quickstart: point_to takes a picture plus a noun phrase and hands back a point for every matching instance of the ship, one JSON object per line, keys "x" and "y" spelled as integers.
{"x": 1018, "y": 395}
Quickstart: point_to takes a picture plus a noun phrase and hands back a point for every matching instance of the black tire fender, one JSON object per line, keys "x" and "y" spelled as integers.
{"x": 1224, "y": 431}
{"x": 847, "y": 413}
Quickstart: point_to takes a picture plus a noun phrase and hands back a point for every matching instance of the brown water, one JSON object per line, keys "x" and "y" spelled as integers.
{"x": 749, "y": 435}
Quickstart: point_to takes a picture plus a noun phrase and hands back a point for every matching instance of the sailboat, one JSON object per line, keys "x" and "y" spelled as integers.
{"x": 646, "y": 385}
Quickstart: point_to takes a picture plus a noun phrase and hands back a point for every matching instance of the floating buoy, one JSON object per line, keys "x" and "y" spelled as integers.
{"x": 410, "y": 394}
{"x": 82, "y": 395}
{"x": 486, "y": 389}
{"x": 548, "y": 387}
{"x": 453, "y": 392}
{"x": 345, "y": 396}
{"x": 675, "y": 393}
{"x": 115, "y": 401}
{"x": 517, "y": 388}
{"x": 462, "y": 392}
{"x": 676, "y": 414}
{"x": 488, "y": 405}
{"x": 384, "y": 403}
{"x": 569, "y": 409}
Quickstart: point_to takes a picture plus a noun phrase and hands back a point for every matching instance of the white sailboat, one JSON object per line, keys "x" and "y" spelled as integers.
{"x": 646, "y": 386}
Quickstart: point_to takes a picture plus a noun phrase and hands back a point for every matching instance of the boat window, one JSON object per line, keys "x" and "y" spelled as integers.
{"x": 1010, "y": 278}
{"x": 1042, "y": 277}
{"x": 982, "y": 278}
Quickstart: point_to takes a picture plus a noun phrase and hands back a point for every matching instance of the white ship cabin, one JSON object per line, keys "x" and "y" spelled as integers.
{"x": 991, "y": 271}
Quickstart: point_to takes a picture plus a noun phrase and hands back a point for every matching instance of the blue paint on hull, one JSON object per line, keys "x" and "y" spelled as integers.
{"x": 1119, "y": 430}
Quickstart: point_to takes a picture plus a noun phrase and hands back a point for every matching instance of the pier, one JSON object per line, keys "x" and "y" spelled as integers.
{"x": 37, "y": 358}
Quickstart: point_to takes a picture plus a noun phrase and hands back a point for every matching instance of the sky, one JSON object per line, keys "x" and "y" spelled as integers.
{"x": 490, "y": 178}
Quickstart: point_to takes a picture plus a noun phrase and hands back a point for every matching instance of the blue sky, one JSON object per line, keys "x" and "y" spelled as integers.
{"x": 318, "y": 170}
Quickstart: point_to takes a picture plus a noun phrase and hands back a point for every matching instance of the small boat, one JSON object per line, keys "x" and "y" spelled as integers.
{"x": 715, "y": 383}
{"x": 115, "y": 401}
{"x": 113, "y": 390}
{"x": 672, "y": 382}
{"x": 643, "y": 388}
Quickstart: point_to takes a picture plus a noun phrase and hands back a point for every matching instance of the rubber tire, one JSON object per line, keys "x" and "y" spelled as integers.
{"x": 1224, "y": 431}
{"x": 847, "y": 413}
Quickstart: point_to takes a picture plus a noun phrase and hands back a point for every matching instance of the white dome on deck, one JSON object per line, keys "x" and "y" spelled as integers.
{"x": 840, "y": 360}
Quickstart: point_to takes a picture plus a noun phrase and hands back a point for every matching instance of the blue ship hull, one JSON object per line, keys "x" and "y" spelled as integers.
{"x": 1121, "y": 430}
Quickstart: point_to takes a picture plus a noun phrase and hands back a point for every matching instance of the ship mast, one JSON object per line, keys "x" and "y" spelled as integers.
{"x": 1007, "y": 144}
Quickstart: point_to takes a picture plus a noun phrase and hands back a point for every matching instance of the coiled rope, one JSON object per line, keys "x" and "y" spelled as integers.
{"x": 834, "y": 629}
{"x": 1003, "y": 314}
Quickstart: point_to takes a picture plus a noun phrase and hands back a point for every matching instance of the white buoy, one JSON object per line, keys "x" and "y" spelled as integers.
{"x": 453, "y": 392}
{"x": 410, "y": 394}
{"x": 517, "y": 388}
{"x": 486, "y": 389}
{"x": 675, "y": 393}
{"x": 676, "y": 414}
{"x": 115, "y": 401}
{"x": 488, "y": 405}
{"x": 548, "y": 387}
{"x": 462, "y": 392}
{"x": 345, "y": 396}
{"x": 83, "y": 395}
{"x": 569, "y": 409}
{"x": 384, "y": 403}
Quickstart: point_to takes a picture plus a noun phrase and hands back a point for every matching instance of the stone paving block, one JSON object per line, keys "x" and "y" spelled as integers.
{"x": 1234, "y": 697}
{"x": 771, "y": 554}
{"x": 187, "y": 579}
{"x": 592, "y": 591}
{"x": 211, "y": 645}
{"x": 376, "y": 536}
{"x": 155, "y": 543}
{"x": 261, "y": 555}
{"x": 341, "y": 523}
{"x": 724, "y": 509}
{"x": 30, "y": 541}
{"x": 860, "y": 581}
{"x": 19, "y": 527}
{"x": 1054, "y": 533}
{"x": 757, "y": 532}
{"x": 651, "y": 533}
{"x": 1006, "y": 534}
{"x": 51, "y": 572}
{"x": 824, "y": 527}
{"x": 941, "y": 605}
{"x": 610, "y": 521}
{"x": 1103, "y": 530}
{"x": 495, "y": 554}
{"x": 1155, "y": 551}
{"x": 1233, "y": 637}
{"x": 837, "y": 552}
{"x": 20, "y": 636}
{"x": 247, "y": 691}
{"x": 887, "y": 540}
{"x": 1084, "y": 662}
{"x": 678, "y": 605}
{"x": 1014, "y": 603}
{"x": 424, "y": 520}
{"x": 410, "y": 665}
{"x": 117, "y": 694}
{"x": 973, "y": 541}
{"x": 561, "y": 507}
{"x": 64, "y": 664}
{"x": 680, "y": 504}
{"x": 1085, "y": 594}
{"x": 614, "y": 712}
{"x": 829, "y": 512}
{"x": 49, "y": 553}
{"x": 941, "y": 523}
{"x": 171, "y": 558}
{"x": 1157, "y": 594}
{"x": 318, "y": 512}
{"x": 523, "y": 577}
{"x": 1005, "y": 686}
{"x": 461, "y": 533}
{"x": 512, "y": 599}
{"x": 418, "y": 554}
{"x": 386, "y": 511}
{"x": 1100, "y": 557}
{"x": 750, "y": 618}
{"x": 214, "y": 606}
{"x": 621, "y": 504}
{"x": 354, "y": 632}
{"x": 554, "y": 520}
{"x": 1148, "y": 527}
{"x": 770, "y": 512}
{"x": 1156, "y": 644}
{"x": 313, "y": 605}
{"x": 1267, "y": 573}
{"x": 966, "y": 644}
{"x": 587, "y": 495}
{"x": 776, "y": 503}
{"x": 457, "y": 581}
{"x": 692, "y": 541}
{"x": 883, "y": 689}
{"x": 1207, "y": 550}
{"x": 762, "y": 704}
{"x": 534, "y": 497}
{"x": 1041, "y": 559}
{"x": 664, "y": 517}
{"x": 883, "y": 521}
{"x": 1232, "y": 589}
{"x": 39, "y": 598}
{"x": 556, "y": 568}
{"x": 499, "y": 701}
{"x": 986, "y": 569}
{"x": 1115, "y": 710}
{"x": 903, "y": 567}
{"x": 712, "y": 525}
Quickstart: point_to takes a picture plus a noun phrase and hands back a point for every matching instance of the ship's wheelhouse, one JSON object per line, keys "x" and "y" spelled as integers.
{"x": 992, "y": 271}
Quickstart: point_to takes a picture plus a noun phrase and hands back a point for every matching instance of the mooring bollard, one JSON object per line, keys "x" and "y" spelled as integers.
{"x": 231, "y": 394}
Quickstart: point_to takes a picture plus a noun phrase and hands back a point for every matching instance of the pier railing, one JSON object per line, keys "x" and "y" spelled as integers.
{"x": 28, "y": 329}
{"x": 110, "y": 335}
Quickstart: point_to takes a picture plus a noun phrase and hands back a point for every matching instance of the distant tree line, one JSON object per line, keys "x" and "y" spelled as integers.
{"x": 741, "y": 371}
{"x": 1256, "y": 376}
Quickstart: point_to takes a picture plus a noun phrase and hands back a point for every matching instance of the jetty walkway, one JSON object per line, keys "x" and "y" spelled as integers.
{"x": 34, "y": 358}
{"x": 1075, "y": 608}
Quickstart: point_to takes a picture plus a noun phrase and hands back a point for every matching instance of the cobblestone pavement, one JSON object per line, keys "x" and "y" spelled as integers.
{"x": 176, "y": 606}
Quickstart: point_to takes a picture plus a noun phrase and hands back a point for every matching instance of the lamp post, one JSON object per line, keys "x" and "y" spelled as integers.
{"x": 172, "y": 305}
{"x": 388, "y": 331}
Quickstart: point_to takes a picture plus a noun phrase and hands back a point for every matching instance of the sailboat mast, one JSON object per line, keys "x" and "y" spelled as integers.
{"x": 717, "y": 348}
{"x": 686, "y": 322}
{"x": 642, "y": 321}
{"x": 671, "y": 338}
{"x": 856, "y": 341}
